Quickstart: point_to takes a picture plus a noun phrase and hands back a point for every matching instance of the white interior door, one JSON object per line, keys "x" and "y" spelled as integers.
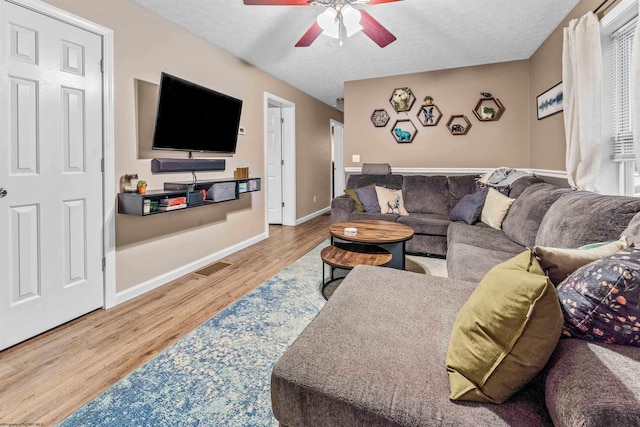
{"x": 50, "y": 166}
{"x": 274, "y": 165}
{"x": 337, "y": 132}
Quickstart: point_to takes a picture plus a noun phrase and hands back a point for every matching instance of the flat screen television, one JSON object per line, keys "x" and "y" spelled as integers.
{"x": 191, "y": 117}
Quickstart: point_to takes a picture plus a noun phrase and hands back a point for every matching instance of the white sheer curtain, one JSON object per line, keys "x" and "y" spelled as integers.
{"x": 582, "y": 85}
{"x": 635, "y": 91}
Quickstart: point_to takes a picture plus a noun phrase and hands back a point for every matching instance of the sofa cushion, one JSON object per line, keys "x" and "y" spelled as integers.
{"x": 467, "y": 262}
{"x": 482, "y": 237}
{"x": 632, "y": 232}
{"x": 369, "y": 199}
{"x": 357, "y": 204}
{"x": 426, "y": 223}
{"x": 524, "y": 217}
{"x": 496, "y": 206}
{"x": 376, "y": 168}
{"x": 469, "y": 207}
{"x": 426, "y": 194}
{"x": 379, "y": 216}
{"x": 390, "y": 201}
{"x": 460, "y": 186}
{"x": 593, "y": 385}
{"x": 389, "y": 181}
{"x": 578, "y": 218}
{"x": 601, "y": 300}
{"x": 521, "y": 184}
{"x": 505, "y": 333}
{"x": 559, "y": 263}
{"x": 374, "y": 356}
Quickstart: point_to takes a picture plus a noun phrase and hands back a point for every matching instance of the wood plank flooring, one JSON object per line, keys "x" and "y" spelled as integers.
{"x": 47, "y": 378}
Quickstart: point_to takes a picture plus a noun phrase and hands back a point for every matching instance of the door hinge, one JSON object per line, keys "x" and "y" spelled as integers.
{"x": 283, "y": 204}
{"x": 104, "y": 263}
{"x": 102, "y": 66}
{"x": 282, "y": 162}
{"x": 281, "y": 119}
{"x": 102, "y": 165}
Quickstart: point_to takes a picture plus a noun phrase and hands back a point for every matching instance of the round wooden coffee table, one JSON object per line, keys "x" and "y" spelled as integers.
{"x": 375, "y": 243}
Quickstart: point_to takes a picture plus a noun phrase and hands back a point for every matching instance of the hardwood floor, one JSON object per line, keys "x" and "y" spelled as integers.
{"x": 47, "y": 378}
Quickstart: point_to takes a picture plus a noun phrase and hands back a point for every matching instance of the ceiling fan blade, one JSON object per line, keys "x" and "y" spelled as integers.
{"x": 310, "y": 36}
{"x": 276, "y": 2}
{"x": 375, "y": 31}
{"x": 372, "y": 2}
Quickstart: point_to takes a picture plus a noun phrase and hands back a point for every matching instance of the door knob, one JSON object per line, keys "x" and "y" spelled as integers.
{"x": 3, "y": 192}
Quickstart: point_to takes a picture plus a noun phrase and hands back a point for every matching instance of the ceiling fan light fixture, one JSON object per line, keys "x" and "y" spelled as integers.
{"x": 330, "y": 21}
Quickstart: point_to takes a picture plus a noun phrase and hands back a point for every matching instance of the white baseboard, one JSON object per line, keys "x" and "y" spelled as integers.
{"x": 451, "y": 171}
{"x": 313, "y": 215}
{"x": 163, "y": 279}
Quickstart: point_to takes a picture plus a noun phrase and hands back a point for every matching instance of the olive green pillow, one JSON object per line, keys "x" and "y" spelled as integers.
{"x": 351, "y": 192}
{"x": 505, "y": 333}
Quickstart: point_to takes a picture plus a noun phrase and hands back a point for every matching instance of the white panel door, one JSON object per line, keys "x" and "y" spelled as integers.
{"x": 338, "y": 158}
{"x": 50, "y": 166}
{"x": 274, "y": 165}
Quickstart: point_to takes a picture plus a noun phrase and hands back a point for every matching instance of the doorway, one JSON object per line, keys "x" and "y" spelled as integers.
{"x": 280, "y": 163}
{"x": 337, "y": 159}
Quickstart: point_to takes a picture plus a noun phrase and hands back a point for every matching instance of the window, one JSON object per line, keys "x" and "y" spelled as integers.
{"x": 620, "y": 27}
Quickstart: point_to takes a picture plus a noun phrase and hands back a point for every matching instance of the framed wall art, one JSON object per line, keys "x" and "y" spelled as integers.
{"x": 550, "y": 102}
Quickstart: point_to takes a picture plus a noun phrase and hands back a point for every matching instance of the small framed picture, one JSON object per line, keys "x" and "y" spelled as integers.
{"x": 550, "y": 102}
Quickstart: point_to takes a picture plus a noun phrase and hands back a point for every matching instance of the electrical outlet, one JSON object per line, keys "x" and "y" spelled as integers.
{"x": 355, "y": 158}
{"x": 241, "y": 130}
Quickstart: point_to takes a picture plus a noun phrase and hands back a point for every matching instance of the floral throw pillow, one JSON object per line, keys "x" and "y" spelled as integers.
{"x": 600, "y": 301}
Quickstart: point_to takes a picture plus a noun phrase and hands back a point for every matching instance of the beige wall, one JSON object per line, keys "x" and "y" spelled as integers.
{"x": 488, "y": 144}
{"x": 547, "y": 135}
{"x": 145, "y": 45}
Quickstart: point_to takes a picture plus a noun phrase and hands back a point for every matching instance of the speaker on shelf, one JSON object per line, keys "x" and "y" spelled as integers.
{"x": 187, "y": 165}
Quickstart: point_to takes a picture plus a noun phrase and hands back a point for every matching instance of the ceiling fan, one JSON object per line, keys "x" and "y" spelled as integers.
{"x": 339, "y": 20}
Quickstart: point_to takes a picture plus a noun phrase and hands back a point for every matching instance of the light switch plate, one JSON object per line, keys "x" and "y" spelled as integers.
{"x": 355, "y": 158}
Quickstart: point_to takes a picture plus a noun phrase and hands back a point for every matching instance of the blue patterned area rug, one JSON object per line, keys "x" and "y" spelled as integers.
{"x": 219, "y": 374}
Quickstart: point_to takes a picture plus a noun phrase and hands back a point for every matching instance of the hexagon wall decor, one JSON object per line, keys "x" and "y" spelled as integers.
{"x": 402, "y": 99}
{"x": 429, "y": 115}
{"x": 404, "y": 131}
{"x": 458, "y": 124}
{"x": 380, "y": 118}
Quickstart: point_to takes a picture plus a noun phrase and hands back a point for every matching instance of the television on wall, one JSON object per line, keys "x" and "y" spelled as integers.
{"x": 195, "y": 118}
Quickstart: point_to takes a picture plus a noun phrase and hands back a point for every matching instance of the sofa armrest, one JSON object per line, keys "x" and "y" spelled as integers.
{"x": 341, "y": 207}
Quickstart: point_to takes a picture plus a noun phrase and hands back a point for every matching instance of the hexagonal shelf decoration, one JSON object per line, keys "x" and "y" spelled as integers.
{"x": 404, "y": 131}
{"x": 429, "y": 115}
{"x": 458, "y": 124}
{"x": 488, "y": 109}
{"x": 380, "y": 118}
{"x": 402, "y": 99}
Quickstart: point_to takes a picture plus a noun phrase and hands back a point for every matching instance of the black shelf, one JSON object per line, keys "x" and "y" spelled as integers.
{"x": 217, "y": 191}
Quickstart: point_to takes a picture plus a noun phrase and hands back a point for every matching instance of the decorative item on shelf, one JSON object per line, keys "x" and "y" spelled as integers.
{"x": 241, "y": 173}
{"x": 402, "y": 99}
{"x": 129, "y": 183}
{"x": 404, "y": 131}
{"x": 550, "y": 102}
{"x": 380, "y": 118}
{"x": 458, "y": 124}
{"x": 142, "y": 186}
{"x": 488, "y": 108}
{"x": 429, "y": 113}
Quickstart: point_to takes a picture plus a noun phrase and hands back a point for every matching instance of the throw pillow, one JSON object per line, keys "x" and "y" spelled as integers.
{"x": 369, "y": 199}
{"x": 390, "y": 201}
{"x": 600, "y": 301}
{"x": 559, "y": 263}
{"x": 505, "y": 333}
{"x": 469, "y": 207}
{"x": 496, "y": 206}
{"x": 351, "y": 192}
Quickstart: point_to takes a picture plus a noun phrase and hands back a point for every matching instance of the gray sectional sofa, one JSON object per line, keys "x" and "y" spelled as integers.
{"x": 375, "y": 354}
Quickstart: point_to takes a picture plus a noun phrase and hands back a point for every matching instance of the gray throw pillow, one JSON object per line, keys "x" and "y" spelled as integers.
{"x": 468, "y": 209}
{"x": 369, "y": 199}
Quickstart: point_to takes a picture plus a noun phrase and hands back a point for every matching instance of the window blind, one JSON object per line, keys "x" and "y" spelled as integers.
{"x": 622, "y": 132}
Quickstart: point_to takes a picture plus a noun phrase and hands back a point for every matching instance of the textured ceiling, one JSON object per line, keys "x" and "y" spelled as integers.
{"x": 431, "y": 35}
